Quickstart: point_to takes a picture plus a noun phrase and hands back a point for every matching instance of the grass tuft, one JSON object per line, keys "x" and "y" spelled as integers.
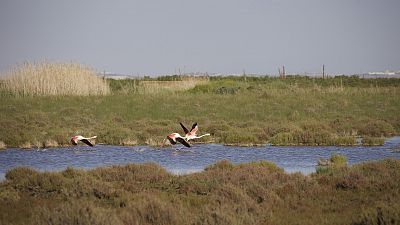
{"x": 370, "y": 141}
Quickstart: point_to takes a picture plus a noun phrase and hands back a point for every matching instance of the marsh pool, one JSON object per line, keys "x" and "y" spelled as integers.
{"x": 182, "y": 160}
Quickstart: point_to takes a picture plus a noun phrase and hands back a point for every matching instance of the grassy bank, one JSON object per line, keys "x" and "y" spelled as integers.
{"x": 250, "y": 193}
{"x": 235, "y": 110}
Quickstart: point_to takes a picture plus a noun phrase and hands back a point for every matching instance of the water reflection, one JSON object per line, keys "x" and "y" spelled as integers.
{"x": 180, "y": 161}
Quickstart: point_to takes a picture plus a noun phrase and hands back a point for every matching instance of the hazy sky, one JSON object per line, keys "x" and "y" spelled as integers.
{"x": 215, "y": 36}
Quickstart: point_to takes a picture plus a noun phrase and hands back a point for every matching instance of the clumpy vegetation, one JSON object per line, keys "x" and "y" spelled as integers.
{"x": 328, "y": 166}
{"x": 235, "y": 110}
{"x": 373, "y": 141}
{"x": 250, "y": 193}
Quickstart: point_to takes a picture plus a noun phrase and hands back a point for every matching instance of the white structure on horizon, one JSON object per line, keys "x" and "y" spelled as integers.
{"x": 386, "y": 72}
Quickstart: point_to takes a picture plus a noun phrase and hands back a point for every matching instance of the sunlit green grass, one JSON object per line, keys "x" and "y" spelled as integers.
{"x": 294, "y": 111}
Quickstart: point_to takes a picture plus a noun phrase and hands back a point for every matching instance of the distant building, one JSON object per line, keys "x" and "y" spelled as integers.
{"x": 383, "y": 74}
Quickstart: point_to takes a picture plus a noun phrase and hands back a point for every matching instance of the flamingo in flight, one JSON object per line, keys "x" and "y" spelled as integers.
{"x": 175, "y": 137}
{"x": 75, "y": 139}
{"x": 189, "y": 135}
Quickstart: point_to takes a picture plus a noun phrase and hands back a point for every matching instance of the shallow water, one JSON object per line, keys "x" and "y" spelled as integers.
{"x": 182, "y": 160}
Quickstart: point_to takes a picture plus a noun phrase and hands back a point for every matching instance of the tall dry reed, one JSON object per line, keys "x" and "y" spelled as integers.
{"x": 43, "y": 79}
{"x": 152, "y": 87}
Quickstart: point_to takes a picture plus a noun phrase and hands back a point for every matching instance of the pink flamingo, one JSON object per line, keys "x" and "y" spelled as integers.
{"x": 75, "y": 139}
{"x": 175, "y": 137}
{"x": 189, "y": 135}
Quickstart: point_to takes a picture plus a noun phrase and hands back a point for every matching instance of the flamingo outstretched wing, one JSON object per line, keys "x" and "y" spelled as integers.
{"x": 87, "y": 142}
{"x": 171, "y": 140}
{"x": 182, "y": 141}
{"x": 195, "y": 128}
{"x": 184, "y": 128}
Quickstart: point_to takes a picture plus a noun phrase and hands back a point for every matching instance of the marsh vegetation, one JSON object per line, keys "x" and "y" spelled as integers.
{"x": 240, "y": 110}
{"x": 249, "y": 193}
{"x": 49, "y": 79}
{"x": 236, "y": 111}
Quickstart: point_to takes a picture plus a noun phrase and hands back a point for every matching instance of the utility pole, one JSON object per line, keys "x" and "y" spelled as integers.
{"x": 323, "y": 71}
{"x": 281, "y": 72}
{"x": 283, "y": 68}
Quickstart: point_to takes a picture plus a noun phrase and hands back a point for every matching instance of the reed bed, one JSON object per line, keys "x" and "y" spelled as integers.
{"x": 162, "y": 86}
{"x": 156, "y": 85}
{"x": 50, "y": 79}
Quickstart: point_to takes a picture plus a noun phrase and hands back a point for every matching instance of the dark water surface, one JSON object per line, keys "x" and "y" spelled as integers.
{"x": 181, "y": 161}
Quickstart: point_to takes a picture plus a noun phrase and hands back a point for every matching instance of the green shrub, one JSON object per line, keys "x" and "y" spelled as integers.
{"x": 338, "y": 160}
{"x": 335, "y": 162}
{"x": 373, "y": 141}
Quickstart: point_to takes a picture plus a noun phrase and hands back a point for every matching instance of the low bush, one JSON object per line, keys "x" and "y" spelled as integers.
{"x": 338, "y": 160}
{"x": 225, "y": 193}
{"x": 377, "y": 128}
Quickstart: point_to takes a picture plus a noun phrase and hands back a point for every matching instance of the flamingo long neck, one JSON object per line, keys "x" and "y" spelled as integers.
{"x": 92, "y": 137}
{"x": 204, "y": 135}
{"x": 201, "y": 136}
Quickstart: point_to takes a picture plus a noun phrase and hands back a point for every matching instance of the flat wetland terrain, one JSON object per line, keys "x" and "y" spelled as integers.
{"x": 243, "y": 111}
{"x": 235, "y": 110}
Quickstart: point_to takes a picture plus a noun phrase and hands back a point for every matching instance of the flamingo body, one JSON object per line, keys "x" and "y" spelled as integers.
{"x": 175, "y": 137}
{"x": 77, "y": 138}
